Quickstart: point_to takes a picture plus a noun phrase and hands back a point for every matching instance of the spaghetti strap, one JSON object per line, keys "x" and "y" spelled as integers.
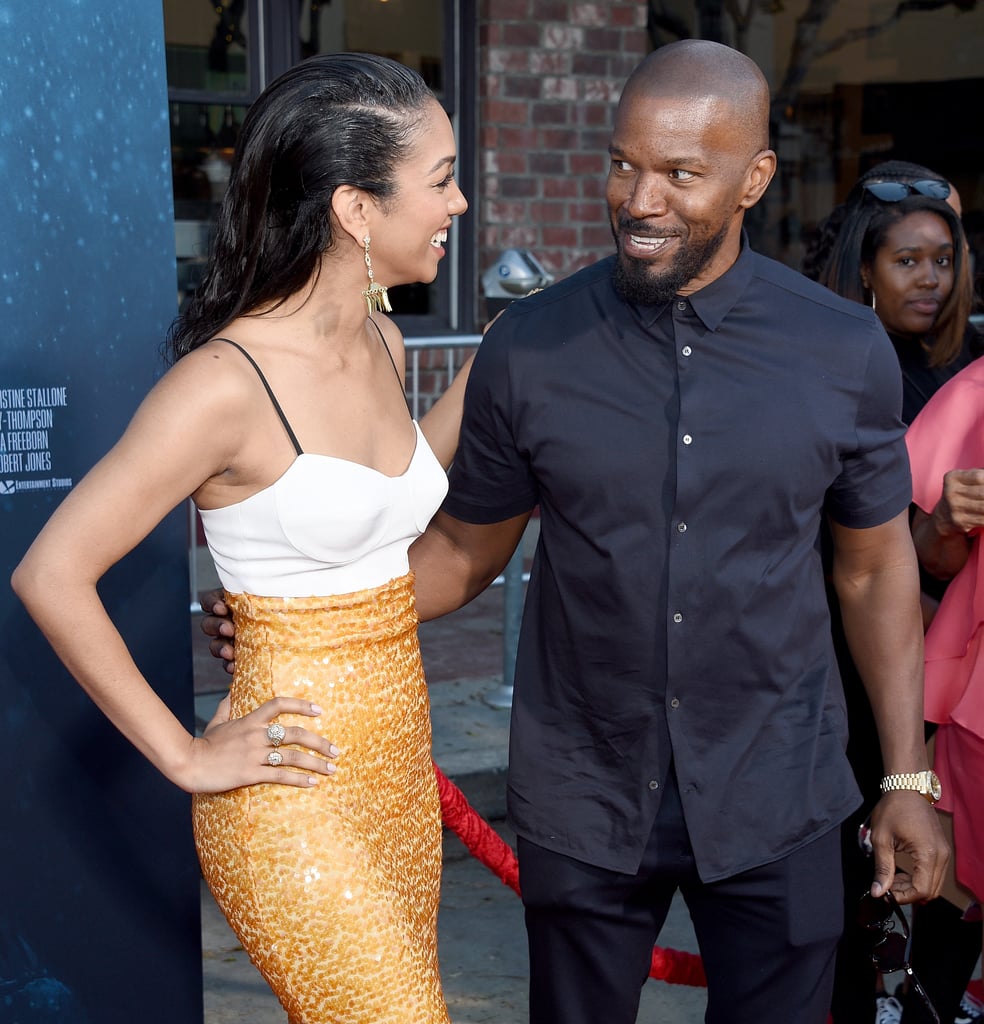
{"x": 273, "y": 398}
{"x": 393, "y": 361}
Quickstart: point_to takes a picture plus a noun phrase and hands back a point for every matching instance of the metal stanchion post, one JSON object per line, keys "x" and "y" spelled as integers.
{"x": 511, "y": 617}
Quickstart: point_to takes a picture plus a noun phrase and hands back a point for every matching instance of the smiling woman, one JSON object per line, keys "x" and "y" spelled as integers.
{"x": 316, "y": 811}
{"x": 220, "y": 55}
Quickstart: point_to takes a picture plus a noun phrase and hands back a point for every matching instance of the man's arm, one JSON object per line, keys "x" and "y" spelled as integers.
{"x": 876, "y": 577}
{"x": 454, "y": 561}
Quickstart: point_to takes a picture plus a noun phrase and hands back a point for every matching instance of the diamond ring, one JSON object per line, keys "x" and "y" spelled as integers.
{"x": 276, "y": 733}
{"x": 275, "y": 759}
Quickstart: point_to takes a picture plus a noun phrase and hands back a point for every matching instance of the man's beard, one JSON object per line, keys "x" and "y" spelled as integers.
{"x": 635, "y": 280}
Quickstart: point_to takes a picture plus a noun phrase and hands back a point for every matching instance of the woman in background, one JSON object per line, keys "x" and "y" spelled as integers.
{"x": 900, "y": 248}
{"x": 316, "y": 812}
{"x": 906, "y": 256}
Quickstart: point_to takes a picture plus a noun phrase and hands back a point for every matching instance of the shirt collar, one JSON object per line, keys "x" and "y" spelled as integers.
{"x": 714, "y": 301}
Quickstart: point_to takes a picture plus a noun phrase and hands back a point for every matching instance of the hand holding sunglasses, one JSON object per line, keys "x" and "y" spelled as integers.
{"x": 891, "y": 940}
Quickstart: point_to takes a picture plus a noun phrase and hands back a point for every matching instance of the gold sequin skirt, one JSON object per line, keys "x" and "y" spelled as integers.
{"x": 333, "y": 890}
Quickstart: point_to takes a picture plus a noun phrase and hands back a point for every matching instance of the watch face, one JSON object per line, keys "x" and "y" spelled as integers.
{"x": 935, "y": 789}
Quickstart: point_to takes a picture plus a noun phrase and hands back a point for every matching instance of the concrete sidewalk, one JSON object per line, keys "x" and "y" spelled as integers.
{"x": 481, "y": 936}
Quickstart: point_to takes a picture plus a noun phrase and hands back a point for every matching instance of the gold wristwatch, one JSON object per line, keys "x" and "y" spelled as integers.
{"x": 925, "y": 783}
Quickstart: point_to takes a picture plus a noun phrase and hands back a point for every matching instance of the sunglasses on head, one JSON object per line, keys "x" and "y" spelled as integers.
{"x": 894, "y": 191}
{"x": 891, "y": 942}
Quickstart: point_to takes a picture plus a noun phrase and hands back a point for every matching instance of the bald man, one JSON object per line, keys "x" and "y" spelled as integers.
{"x": 684, "y": 413}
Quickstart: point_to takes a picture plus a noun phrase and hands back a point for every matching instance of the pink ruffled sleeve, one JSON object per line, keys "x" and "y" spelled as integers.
{"x": 949, "y": 434}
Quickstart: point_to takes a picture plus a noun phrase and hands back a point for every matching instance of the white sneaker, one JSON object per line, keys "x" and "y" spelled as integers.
{"x": 888, "y": 1010}
{"x": 970, "y": 1010}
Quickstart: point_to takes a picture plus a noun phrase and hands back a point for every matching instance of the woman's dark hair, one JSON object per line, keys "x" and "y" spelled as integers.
{"x": 821, "y": 242}
{"x": 861, "y": 236}
{"x": 334, "y": 119}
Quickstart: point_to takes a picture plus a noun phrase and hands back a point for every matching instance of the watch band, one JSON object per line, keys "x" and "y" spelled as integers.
{"x": 925, "y": 783}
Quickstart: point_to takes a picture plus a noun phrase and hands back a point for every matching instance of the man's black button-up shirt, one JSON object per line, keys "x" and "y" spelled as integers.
{"x": 682, "y": 458}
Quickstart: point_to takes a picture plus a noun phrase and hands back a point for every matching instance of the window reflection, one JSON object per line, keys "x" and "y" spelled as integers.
{"x": 206, "y": 45}
{"x": 410, "y": 31}
{"x": 203, "y": 137}
{"x": 208, "y": 70}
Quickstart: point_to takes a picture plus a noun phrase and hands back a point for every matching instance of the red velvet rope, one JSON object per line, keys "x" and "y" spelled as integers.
{"x": 674, "y": 966}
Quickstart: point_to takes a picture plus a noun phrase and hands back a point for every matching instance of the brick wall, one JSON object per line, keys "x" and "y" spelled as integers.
{"x": 550, "y": 75}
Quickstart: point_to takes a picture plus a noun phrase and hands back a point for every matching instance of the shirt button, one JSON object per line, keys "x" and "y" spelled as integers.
{"x": 687, "y": 439}
{"x": 681, "y": 527}
{"x": 653, "y": 784}
{"x": 675, "y": 703}
{"x": 687, "y": 350}
{"x": 682, "y": 306}
{"x": 677, "y": 617}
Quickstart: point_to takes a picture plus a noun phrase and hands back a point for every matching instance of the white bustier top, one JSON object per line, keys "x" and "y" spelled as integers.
{"x": 327, "y": 526}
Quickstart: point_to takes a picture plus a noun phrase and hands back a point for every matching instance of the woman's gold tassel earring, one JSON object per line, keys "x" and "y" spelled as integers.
{"x": 375, "y": 295}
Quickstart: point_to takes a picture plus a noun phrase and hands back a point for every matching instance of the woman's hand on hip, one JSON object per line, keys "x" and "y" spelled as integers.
{"x": 235, "y": 752}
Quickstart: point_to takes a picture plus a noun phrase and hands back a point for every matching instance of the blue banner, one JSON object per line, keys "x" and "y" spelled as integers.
{"x": 99, "y": 916}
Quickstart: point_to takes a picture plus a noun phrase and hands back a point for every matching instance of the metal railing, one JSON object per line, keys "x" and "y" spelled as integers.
{"x": 513, "y": 578}
{"x": 445, "y": 343}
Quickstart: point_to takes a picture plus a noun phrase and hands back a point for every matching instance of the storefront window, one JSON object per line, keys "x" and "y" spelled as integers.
{"x": 210, "y": 73}
{"x": 410, "y": 31}
{"x": 203, "y": 136}
{"x": 207, "y": 45}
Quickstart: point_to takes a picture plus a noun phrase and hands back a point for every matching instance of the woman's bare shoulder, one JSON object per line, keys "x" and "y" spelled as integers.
{"x": 391, "y": 333}
{"x": 216, "y": 368}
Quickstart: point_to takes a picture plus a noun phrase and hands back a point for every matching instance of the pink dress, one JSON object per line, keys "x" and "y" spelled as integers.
{"x": 949, "y": 434}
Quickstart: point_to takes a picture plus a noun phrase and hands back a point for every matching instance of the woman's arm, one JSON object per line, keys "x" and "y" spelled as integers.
{"x": 164, "y": 455}
{"x": 943, "y": 538}
{"x": 442, "y": 422}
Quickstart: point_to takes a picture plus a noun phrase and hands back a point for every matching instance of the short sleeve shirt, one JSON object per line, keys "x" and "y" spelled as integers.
{"x": 682, "y": 458}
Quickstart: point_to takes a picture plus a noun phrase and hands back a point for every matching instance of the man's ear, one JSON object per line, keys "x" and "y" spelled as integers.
{"x": 353, "y": 208}
{"x": 760, "y": 173}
